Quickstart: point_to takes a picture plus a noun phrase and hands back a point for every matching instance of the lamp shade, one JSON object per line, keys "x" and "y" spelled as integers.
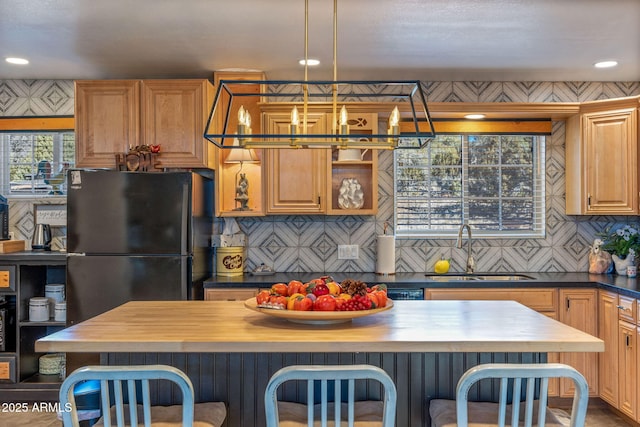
{"x": 241, "y": 155}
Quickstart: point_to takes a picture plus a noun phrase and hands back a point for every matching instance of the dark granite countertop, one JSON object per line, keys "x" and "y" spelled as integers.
{"x": 34, "y": 257}
{"x": 612, "y": 282}
{"x": 620, "y": 284}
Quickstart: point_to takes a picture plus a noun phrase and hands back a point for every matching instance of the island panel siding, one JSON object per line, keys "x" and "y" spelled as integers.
{"x": 239, "y": 379}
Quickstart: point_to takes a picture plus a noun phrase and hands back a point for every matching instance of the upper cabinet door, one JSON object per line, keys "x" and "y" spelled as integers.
{"x": 611, "y": 153}
{"x": 174, "y": 114}
{"x": 602, "y": 161}
{"x": 113, "y": 116}
{"x": 107, "y": 120}
{"x": 296, "y": 177}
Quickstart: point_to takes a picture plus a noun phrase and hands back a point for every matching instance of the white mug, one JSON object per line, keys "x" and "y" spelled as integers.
{"x": 632, "y": 271}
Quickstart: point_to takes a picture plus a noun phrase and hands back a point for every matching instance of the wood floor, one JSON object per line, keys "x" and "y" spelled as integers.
{"x": 598, "y": 416}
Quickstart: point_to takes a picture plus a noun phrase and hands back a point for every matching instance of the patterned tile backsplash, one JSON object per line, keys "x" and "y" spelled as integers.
{"x": 309, "y": 243}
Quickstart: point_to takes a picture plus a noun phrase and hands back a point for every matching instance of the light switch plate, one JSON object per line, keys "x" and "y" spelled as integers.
{"x": 348, "y": 251}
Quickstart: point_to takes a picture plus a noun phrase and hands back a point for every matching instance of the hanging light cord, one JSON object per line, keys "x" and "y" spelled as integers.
{"x": 305, "y": 89}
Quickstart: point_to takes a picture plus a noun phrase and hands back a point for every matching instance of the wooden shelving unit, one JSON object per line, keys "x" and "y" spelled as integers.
{"x": 30, "y": 273}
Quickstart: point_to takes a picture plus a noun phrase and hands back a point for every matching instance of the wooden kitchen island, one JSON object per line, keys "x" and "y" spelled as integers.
{"x": 229, "y": 351}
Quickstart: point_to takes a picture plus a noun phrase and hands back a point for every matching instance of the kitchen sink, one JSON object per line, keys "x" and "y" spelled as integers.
{"x": 450, "y": 278}
{"x": 486, "y": 277}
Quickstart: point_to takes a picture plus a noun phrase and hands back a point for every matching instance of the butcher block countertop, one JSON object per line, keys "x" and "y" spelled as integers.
{"x": 409, "y": 326}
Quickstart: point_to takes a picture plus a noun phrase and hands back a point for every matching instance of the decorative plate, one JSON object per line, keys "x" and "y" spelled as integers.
{"x": 315, "y": 317}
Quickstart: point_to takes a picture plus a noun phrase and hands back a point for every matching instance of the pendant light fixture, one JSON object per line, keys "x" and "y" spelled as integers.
{"x": 402, "y": 103}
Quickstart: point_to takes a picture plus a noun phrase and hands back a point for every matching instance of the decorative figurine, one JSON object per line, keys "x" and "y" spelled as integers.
{"x": 242, "y": 193}
{"x": 599, "y": 260}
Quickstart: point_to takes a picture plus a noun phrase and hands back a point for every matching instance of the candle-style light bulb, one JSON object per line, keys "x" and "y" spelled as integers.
{"x": 295, "y": 120}
{"x": 242, "y": 122}
{"x": 344, "y": 127}
{"x": 395, "y": 117}
{"x": 247, "y": 122}
{"x": 242, "y": 116}
{"x": 394, "y": 124}
{"x": 343, "y": 116}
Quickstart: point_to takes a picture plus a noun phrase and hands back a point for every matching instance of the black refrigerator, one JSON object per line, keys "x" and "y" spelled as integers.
{"x": 136, "y": 236}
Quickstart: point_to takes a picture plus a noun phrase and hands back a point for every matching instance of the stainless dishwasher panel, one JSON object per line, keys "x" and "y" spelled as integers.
{"x": 405, "y": 294}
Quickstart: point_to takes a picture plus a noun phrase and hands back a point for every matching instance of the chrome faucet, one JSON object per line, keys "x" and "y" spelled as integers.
{"x": 471, "y": 264}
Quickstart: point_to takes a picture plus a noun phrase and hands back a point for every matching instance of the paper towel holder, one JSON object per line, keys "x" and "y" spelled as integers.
{"x": 386, "y": 253}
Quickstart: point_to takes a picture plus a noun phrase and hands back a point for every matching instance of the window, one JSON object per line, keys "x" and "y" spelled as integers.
{"x": 35, "y": 163}
{"x": 495, "y": 183}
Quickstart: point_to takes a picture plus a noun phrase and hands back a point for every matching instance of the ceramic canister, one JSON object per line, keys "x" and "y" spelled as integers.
{"x": 55, "y": 293}
{"x": 60, "y": 312}
{"x": 38, "y": 309}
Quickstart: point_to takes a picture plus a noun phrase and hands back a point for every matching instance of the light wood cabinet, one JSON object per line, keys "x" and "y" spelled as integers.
{"x": 107, "y": 114}
{"x": 628, "y": 356}
{"x": 364, "y": 171}
{"x": 608, "y": 360}
{"x": 543, "y": 300}
{"x": 618, "y": 366}
{"x": 627, "y": 364}
{"x": 602, "y": 159}
{"x": 309, "y": 181}
{"x": 230, "y": 294}
{"x": 174, "y": 114}
{"x": 577, "y": 309}
{"x": 227, "y": 173}
{"x": 295, "y": 177}
{"x": 115, "y": 115}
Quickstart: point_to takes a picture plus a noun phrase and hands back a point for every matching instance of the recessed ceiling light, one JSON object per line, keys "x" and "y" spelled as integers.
{"x": 310, "y": 62}
{"x": 17, "y": 61}
{"x": 605, "y": 64}
{"x": 474, "y": 116}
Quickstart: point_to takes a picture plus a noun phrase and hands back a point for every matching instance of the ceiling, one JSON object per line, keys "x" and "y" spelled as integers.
{"x": 431, "y": 40}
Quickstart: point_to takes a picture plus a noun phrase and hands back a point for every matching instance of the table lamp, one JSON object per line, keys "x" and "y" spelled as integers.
{"x": 241, "y": 155}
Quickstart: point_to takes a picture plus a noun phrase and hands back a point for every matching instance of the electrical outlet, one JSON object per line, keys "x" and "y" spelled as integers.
{"x": 348, "y": 251}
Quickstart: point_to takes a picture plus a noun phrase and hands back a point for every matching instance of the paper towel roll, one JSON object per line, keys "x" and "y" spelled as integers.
{"x": 386, "y": 254}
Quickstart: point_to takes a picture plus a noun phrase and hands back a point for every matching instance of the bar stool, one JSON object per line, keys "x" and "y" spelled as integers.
{"x": 355, "y": 413}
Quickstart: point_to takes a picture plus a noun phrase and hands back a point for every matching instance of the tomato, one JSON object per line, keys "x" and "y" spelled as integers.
{"x": 318, "y": 281}
{"x": 280, "y": 289}
{"x": 302, "y": 303}
{"x": 295, "y": 287}
{"x": 279, "y": 300}
{"x": 262, "y": 297}
{"x": 325, "y": 303}
{"x": 292, "y": 299}
{"x": 374, "y": 299}
{"x": 382, "y": 298}
{"x": 379, "y": 287}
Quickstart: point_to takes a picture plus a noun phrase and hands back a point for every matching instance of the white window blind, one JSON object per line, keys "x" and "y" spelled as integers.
{"x": 35, "y": 162}
{"x": 495, "y": 183}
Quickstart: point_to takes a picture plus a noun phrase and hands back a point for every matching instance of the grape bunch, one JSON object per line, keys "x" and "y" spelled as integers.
{"x": 357, "y": 302}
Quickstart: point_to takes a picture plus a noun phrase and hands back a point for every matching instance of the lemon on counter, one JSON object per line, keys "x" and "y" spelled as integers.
{"x": 442, "y": 266}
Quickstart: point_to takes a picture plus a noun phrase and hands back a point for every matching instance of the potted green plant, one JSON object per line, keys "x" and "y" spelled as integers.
{"x": 623, "y": 244}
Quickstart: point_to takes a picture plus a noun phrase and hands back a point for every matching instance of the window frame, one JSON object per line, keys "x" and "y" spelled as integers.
{"x": 539, "y": 200}
{"x": 31, "y": 125}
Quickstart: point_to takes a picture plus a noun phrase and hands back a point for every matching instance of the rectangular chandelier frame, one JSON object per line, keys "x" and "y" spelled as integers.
{"x": 403, "y": 102}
